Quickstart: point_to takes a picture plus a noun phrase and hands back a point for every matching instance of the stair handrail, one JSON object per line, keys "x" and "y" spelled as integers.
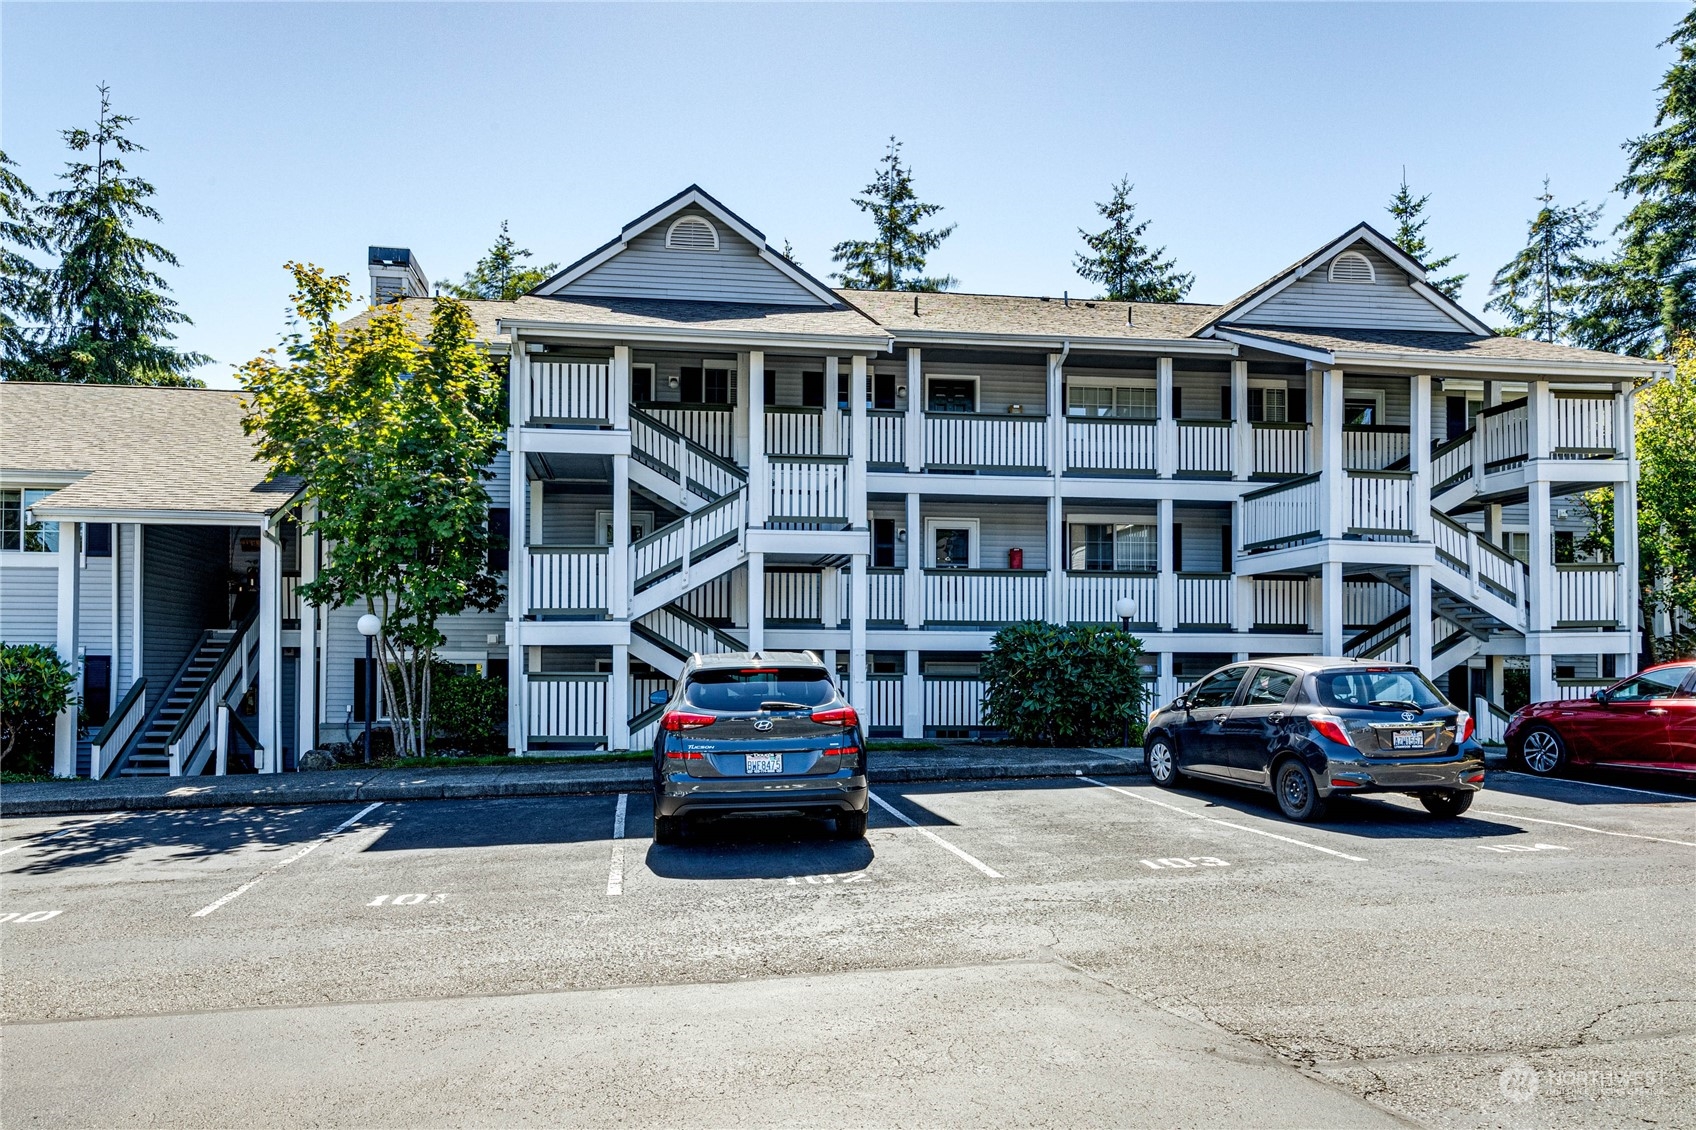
{"x": 120, "y": 727}
{"x": 1388, "y": 622}
{"x": 158, "y": 707}
{"x": 690, "y": 445}
{"x": 203, "y": 700}
{"x": 722, "y": 637}
{"x": 686, "y": 524}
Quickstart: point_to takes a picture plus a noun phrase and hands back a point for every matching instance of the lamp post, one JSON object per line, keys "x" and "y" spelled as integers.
{"x": 1125, "y": 608}
{"x": 369, "y": 626}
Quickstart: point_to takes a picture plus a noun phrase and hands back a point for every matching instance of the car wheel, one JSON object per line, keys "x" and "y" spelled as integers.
{"x": 668, "y": 829}
{"x": 1542, "y": 751}
{"x": 850, "y": 825}
{"x": 1162, "y": 762}
{"x": 1297, "y": 792}
{"x": 1447, "y": 803}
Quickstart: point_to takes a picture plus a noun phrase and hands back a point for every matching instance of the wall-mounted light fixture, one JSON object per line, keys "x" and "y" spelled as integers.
{"x": 900, "y": 390}
{"x": 671, "y": 382}
{"x": 901, "y": 534}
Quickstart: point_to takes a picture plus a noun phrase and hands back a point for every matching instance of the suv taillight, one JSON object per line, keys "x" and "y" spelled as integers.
{"x": 1332, "y": 728}
{"x": 676, "y": 720}
{"x": 837, "y": 716}
{"x": 1464, "y": 727}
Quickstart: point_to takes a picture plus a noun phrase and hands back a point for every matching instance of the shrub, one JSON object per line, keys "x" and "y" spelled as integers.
{"x": 1048, "y": 684}
{"x": 35, "y": 685}
{"x": 467, "y": 711}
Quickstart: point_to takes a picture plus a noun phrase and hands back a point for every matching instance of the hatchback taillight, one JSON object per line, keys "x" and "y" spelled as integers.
{"x": 1464, "y": 727}
{"x": 685, "y": 720}
{"x": 1331, "y": 728}
{"x": 837, "y": 716}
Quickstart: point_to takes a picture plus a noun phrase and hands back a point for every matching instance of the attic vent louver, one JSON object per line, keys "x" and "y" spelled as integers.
{"x": 1352, "y": 267}
{"x": 692, "y": 233}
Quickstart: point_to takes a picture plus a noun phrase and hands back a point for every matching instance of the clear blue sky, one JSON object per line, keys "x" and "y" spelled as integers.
{"x": 1253, "y": 133}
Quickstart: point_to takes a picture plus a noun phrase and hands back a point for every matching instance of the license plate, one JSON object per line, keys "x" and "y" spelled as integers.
{"x": 765, "y": 762}
{"x": 1407, "y": 739}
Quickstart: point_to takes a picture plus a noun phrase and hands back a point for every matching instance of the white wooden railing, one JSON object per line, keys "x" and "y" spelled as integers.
{"x": 688, "y": 539}
{"x": 109, "y": 743}
{"x": 1373, "y": 448}
{"x": 713, "y": 426}
{"x": 953, "y": 702}
{"x": 1491, "y": 721}
{"x": 641, "y": 686}
{"x": 1204, "y": 447}
{"x": 1380, "y": 502}
{"x": 568, "y": 578}
{"x": 1105, "y": 444}
{"x": 1469, "y": 552}
{"x": 985, "y": 596}
{"x": 1368, "y": 602}
{"x": 188, "y": 743}
{"x": 1204, "y": 600}
{"x": 570, "y": 392}
{"x": 794, "y": 595}
{"x": 712, "y": 600}
{"x": 809, "y": 488}
{"x": 886, "y": 590}
{"x": 1093, "y": 598}
{"x": 795, "y": 431}
{"x": 1280, "y": 450}
{"x": 1281, "y": 602}
{"x": 1282, "y": 514}
{"x": 681, "y": 459}
{"x": 290, "y": 594}
{"x": 1586, "y": 594}
{"x": 1451, "y": 463}
{"x": 883, "y": 711}
{"x": 1506, "y": 434}
{"x": 1584, "y": 425}
{"x": 567, "y": 707}
{"x": 959, "y": 441}
{"x": 887, "y": 437}
{"x": 1570, "y": 689}
{"x": 687, "y": 634}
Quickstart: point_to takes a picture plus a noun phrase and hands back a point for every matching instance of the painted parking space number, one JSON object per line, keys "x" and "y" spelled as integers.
{"x": 825, "y": 880}
{"x": 1523, "y": 847}
{"x": 1174, "y": 863}
{"x": 29, "y": 915}
{"x": 407, "y": 900}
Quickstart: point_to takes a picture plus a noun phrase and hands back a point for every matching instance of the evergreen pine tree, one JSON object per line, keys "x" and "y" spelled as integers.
{"x": 501, "y": 273}
{"x": 23, "y": 283}
{"x": 1409, "y": 213}
{"x": 111, "y": 318}
{"x": 894, "y": 259}
{"x": 1120, "y": 260}
{"x": 1539, "y": 289}
{"x": 1645, "y": 296}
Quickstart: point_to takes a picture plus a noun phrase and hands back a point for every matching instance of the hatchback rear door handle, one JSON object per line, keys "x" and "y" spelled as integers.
{"x": 1656, "y": 710}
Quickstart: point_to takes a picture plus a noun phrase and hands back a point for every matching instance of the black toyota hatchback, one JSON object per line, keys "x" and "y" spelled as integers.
{"x": 763, "y": 733}
{"x": 1307, "y": 729}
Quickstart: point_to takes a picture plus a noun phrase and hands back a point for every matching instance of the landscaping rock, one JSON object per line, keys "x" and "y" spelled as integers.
{"x": 314, "y": 759}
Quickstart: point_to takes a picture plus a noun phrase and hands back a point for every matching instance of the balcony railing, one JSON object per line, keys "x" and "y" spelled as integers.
{"x": 1468, "y": 552}
{"x": 1374, "y": 447}
{"x": 809, "y": 489}
{"x": 1570, "y": 689}
{"x": 681, "y": 459}
{"x": 565, "y": 393}
{"x": 1451, "y": 462}
{"x": 883, "y": 711}
{"x": 567, "y": 707}
{"x": 1105, "y": 445}
{"x": 887, "y": 438}
{"x": 568, "y": 580}
{"x": 1280, "y": 604}
{"x": 794, "y": 596}
{"x": 958, "y": 441}
{"x": 1506, "y": 433}
{"x": 1280, "y": 450}
{"x": 1205, "y": 599}
{"x": 291, "y": 600}
{"x": 984, "y": 596}
{"x": 1584, "y": 425}
{"x": 1282, "y": 515}
{"x": 887, "y": 596}
{"x": 953, "y": 702}
{"x": 1204, "y": 448}
{"x": 1586, "y": 595}
{"x": 1093, "y": 597}
{"x": 1379, "y": 503}
{"x": 713, "y": 426}
{"x": 688, "y": 539}
{"x": 792, "y": 430}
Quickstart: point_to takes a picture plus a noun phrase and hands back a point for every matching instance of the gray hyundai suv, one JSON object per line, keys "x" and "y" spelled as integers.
{"x": 768, "y": 733}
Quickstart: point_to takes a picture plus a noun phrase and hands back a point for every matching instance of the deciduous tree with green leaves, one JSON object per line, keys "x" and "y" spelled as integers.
{"x": 35, "y": 685}
{"x": 391, "y": 427}
{"x": 1408, "y": 211}
{"x": 23, "y": 282}
{"x": 894, "y": 258}
{"x": 501, "y": 273}
{"x": 111, "y": 319}
{"x": 1540, "y": 289}
{"x": 1119, "y": 260}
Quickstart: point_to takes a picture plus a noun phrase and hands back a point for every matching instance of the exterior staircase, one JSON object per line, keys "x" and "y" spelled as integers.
{"x": 179, "y": 735}
{"x": 150, "y": 755}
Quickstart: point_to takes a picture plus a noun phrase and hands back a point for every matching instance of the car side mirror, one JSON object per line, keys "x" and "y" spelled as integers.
{"x": 1182, "y": 702}
{"x": 658, "y": 698}
{"x": 1601, "y": 697}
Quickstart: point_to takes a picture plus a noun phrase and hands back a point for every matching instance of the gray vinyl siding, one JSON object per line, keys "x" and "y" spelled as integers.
{"x": 1203, "y": 393}
{"x": 1001, "y": 526}
{"x": 467, "y": 633}
{"x": 94, "y": 608}
{"x": 668, "y": 366}
{"x": 999, "y": 386}
{"x": 500, "y": 487}
{"x": 1201, "y": 538}
{"x": 1387, "y": 303}
{"x": 733, "y": 273}
{"x": 184, "y": 592}
{"x": 29, "y": 605}
{"x": 569, "y": 519}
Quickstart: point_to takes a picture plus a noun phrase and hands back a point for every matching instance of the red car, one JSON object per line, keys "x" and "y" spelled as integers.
{"x": 1645, "y": 723}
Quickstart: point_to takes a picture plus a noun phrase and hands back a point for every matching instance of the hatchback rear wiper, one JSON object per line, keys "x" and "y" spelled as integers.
{"x": 779, "y": 704}
{"x": 1397, "y": 704}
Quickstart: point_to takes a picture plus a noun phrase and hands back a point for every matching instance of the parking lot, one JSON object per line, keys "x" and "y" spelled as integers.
{"x": 1066, "y": 951}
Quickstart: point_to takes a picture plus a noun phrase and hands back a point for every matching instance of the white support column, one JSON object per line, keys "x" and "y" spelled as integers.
{"x": 1315, "y": 418}
{"x": 1542, "y": 663}
{"x": 1242, "y": 610}
{"x": 912, "y": 698}
{"x": 759, "y": 468}
{"x": 830, "y": 423}
{"x": 1541, "y": 556}
{"x": 741, "y": 423}
{"x": 756, "y": 601}
{"x": 1166, "y": 584}
{"x": 1493, "y": 524}
{"x": 830, "y": 592}
{"x": 65, "y": 642}
{"x": 1419, "y": 456}
{"x": 618, "y": 699}
{"x": 618, "y": 405}
{"x": 618, "y": 553}
{"x": 1492, "y": 393}
{"x": 913, "y": 580}
{"x": 1056, "y": 422}
{"x": 915, "y": 438}
{"x": 1242, "y": 434}
{"x": 137, "y": 561}
{"x": 1625, "y": 525}
{"x": 1331, "y": 608}
{"x": 1419, "y": 639}
{"x": 1539, "y": 420}
{"x": 270, "y": 720}
{"x": 306, "y": 674}
{"x": 1165, "y": 683}
{"x": 1165, "y": 424}
{"x": 1334, "y": 484}
{"x": 518, "y": 555}
{"x": 859, "y": 439}
{"x": 859, "y": 595}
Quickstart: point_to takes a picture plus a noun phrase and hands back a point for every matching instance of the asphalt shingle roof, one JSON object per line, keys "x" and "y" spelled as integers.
{"x": 1444, "y": 346}
{"x": 656, "y": 313}
{"x": 951, "y": 312}
{"x": 137, "y": 449}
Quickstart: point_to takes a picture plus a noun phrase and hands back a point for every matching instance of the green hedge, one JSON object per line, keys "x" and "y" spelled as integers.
{"x": 35, "y": 685}
{"x": 1055, "y": 685}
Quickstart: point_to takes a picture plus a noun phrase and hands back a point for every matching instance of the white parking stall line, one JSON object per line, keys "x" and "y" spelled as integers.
{"x": 932, "y": 836}
{"x": 1591, "y": 784}
{"x": 1223, "y": 823}
{"x": 615, "y": 870}
{"x": 276, "y": 867}
{"x": 1583, "y": 828}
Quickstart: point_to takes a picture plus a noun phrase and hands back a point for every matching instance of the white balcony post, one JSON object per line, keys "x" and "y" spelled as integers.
{"x": 859, "y": 442}
{"x": 830, "y": 422}
{"x": 1625, "y": 521}
{"x": 1539, "y": 420}
{"x": 1334, "y": 483}
{"x": 1542, "y": 588}
{"x": 1419, "y": 617}
{"x": 1056, "y": 422}
{"x": 913, "y": 580}
{"x": 1542, "y": 664}
{"x": 618, "y": 699}
{"x": 859, "y": 596}
{"x": 1165, "y": 424}
{"x": 759, "y": 468}
{"x": 915, "y": 438}
{"x": 912, "y": 697}
{"x": 518, "y": 555}
{"x": 756, "y": 601}
{"x": 1315, "y": 419}
{"x": 1165, "y": 684}
{"x": 1492, "y": 393}
{"x": 1242, "y": 612}
{"x": 1242, "y": 435}
{"x": 270, "y": 733}
{"x": 137, "y": 592}
{"x": 1166, "y": 612}
{"x": 1331, "y": 607}
{"x": 1419, "y": 457}
{"x": 619, "y": 580}
{"x": 830, "y": 592}
{"x": 306, "y": 676}
{"x": 618, "y": 397}
{"x": 65, "y": 642}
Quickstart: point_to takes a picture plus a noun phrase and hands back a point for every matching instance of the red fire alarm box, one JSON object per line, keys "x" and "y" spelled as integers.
{"x": 1015, "y": 558}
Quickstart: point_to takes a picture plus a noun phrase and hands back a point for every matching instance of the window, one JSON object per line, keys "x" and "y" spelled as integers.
{"x": 812, "y": 390}
{"x": 705, "y": 385}
{"x": 746, "y": 690}
{"x": 1217, "y": 690}
{"x": 1108, "y": 547}
{"x": 500, "y": 538}
{"x": 97, "y": 540}
{"x": 952, "y": 394}
{"x": 1352, "y": 267}
{"x": 1651, "y": 684}
{"x": 15, "y": 534}
{"x": 1268, "y": 687}
{"x": 1131, "y": 402}
{"x": 641, "y": 525}
{"x": 953, "y": 542}
{"x": 692, "y": 233}
{"x": 883, "y": 392}
{"x": 883, "y": 543}
{"x": 641, "y": 384}
{"x": 1459, "y": 413}
{"x": 770, "y": 387}
{"x": 1387, "y": 688}
{"x": 1269, "y": 404}
{"x": 1363, "y": 409}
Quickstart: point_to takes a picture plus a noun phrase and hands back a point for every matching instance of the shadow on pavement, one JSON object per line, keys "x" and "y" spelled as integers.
{"x": 1577, "y": 789}
{"x": 182, "y": 835}
{"x": 758, "y": 848}
{"x": 1355, "y": 816}
{"x": 497, "y": 822}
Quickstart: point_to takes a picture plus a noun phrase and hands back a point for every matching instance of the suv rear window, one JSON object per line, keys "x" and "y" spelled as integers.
{"x": 1390, "y": 688}
{"x": 746, "y": 689}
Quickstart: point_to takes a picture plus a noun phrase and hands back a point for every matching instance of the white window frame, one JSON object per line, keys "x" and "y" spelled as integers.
{"x": 690, "y": 220}
{"x": 642, "y": 520}
{"x": 1376, "y": 395}
{"x": 1275, "y": 384}
{"x": 1074, "y": 384}
{"x": 1371, "y": 272}
{"x": 653, "y": 377}
{"x": 974, "y": 543}
{"x": 977, "y": 390}
{"x": 24, "y": 491}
